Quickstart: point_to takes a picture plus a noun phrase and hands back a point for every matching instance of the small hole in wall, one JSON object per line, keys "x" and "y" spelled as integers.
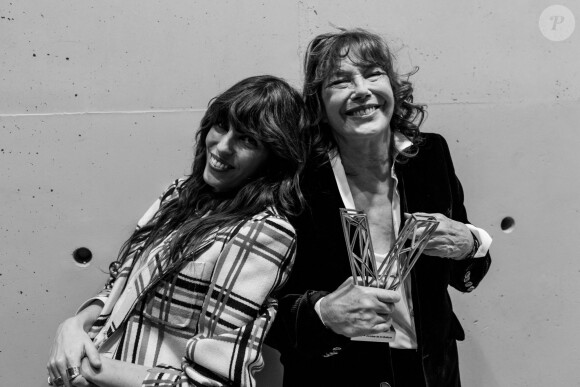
{"x": 507, "y": 224}
{"x": 82, "y": 256}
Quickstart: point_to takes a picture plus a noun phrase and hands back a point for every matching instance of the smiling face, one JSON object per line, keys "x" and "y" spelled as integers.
{"x": 232, "y": 158}
{"x": 358, "y": 101}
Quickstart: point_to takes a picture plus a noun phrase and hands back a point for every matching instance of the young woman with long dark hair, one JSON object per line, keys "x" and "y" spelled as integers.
{"x": 192, "y": 294}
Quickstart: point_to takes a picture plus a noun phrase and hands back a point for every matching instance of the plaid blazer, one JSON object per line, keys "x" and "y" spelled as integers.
{"x": 210, "y": 313}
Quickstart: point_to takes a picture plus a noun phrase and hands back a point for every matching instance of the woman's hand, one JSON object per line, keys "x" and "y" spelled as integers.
{"x": 70, "y": 346}
{"x": 353, "y": 310}
{"x": 451, "y": 239}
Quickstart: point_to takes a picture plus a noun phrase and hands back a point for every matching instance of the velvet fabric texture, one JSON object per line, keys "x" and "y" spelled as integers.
{"x": 313, "y": 355}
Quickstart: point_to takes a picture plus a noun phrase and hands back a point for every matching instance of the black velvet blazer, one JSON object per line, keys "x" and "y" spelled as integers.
{"x": 313, "y": 355}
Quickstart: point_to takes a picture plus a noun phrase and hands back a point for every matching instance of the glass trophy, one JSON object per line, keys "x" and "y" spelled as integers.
{"x": 403, "y": 255}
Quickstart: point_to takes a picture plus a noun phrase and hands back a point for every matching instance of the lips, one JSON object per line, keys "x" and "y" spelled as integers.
{"x": 362, "y": 111}
{"x": 218, "y": 163}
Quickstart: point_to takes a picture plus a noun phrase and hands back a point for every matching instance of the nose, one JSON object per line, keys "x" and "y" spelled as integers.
{"x": 225, "y": 145}
{"x": 360, "y": 87}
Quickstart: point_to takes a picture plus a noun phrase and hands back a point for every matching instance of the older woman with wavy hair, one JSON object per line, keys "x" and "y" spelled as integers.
{"x": 368, "y": 154}
{"x": 192, "y": 294}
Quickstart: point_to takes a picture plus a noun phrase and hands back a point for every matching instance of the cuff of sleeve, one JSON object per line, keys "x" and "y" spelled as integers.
{"x": 88, "y": 302}
{"x": 317, "y": 310}
{"x": 483, "y": 238}
{"x": 313, "y": 336}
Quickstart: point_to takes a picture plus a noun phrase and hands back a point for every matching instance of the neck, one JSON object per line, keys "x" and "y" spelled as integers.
{"x": 367, "y": 156}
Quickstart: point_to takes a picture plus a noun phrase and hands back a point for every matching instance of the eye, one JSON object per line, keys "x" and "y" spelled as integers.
{"x": 375, "y": 74}
{"x": 249, "y": 141}
{"x": 221, "y": 127}
{"x": 339, "y": 83}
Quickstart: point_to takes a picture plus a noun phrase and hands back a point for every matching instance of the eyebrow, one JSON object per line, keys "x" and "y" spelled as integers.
{"x": 340, "y": 72}
{"x": 339, "y": 75}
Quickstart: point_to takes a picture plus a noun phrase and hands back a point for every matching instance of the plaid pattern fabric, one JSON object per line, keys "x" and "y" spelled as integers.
{"x": 210, "y": 314}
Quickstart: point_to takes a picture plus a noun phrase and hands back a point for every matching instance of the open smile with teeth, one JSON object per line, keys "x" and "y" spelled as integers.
{"x": 362, "y": 111}
{"x": 218, "y": 164}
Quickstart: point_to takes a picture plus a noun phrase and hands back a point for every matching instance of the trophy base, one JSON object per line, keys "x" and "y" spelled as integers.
{"x": 385, "y": 337}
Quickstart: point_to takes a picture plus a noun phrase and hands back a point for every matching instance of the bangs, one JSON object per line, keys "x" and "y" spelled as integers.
{"x": 361, "y": 49}
{"x": 365, "y": 54}
{"x": 264, "y": 108}
{"x": 247, "y": 114}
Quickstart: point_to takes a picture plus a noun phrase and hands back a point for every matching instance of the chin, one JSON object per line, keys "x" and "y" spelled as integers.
{"x": 209, "y": 180}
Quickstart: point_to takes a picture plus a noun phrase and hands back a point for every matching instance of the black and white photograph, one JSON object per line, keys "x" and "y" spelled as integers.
{"x": 297, "y": 193}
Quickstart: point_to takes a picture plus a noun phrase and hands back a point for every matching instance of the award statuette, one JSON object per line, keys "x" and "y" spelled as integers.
{"x": 399, "y": 261}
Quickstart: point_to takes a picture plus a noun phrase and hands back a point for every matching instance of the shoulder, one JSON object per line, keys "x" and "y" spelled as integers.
{"x": 434, "y": 155}
{"x": 170, "y": 193}
{"x": 433, "y": 144}
{"x": 266, "y": 233}
{"x": 270, "y": 221}
{"x": 173, "y": 190}
{"x": 432, "y": 138}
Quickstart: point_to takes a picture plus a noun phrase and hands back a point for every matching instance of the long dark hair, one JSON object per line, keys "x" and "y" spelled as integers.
{"x": 265, "y": 108}
{"x": 324, "y": 54}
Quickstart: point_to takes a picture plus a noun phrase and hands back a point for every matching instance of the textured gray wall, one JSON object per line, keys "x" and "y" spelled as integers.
{"x": 99, "y": 102}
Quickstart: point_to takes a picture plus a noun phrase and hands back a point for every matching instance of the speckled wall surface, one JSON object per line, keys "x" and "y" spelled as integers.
{"x": 99, "y": 102}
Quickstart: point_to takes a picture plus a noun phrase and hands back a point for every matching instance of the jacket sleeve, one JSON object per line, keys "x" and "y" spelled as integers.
{"x": 299, "y": 327}
{"x": 239, "y": 307}
{"x": 466, "y": 274}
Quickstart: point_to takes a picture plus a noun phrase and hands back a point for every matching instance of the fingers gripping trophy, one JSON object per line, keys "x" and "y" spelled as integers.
{"x": 403, "y": 255}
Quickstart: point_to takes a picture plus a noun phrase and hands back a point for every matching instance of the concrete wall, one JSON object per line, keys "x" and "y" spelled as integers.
{"x": 99, "y": 102}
